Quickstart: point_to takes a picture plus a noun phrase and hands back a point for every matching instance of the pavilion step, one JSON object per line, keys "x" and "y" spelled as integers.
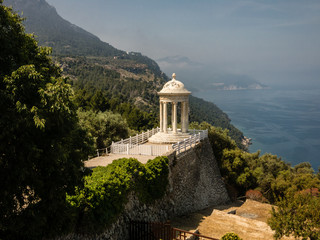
{"x": 168, "y": 137}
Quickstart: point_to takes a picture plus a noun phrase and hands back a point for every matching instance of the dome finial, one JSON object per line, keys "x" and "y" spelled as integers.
{"x": 173, "y": 76}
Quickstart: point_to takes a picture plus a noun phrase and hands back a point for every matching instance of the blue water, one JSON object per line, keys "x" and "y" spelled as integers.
{"x": 281, "y": 122}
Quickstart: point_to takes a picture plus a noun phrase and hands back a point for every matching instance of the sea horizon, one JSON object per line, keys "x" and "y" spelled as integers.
{"x": 284, "y": 121}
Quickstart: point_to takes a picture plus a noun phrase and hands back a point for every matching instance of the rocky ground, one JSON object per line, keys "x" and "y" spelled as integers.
{"x": 247, "y": 219}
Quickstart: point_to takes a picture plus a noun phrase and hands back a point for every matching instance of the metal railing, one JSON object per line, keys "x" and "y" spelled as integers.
{"x": 179, "y": 234}
{"x": 191, "y": 141}
{"x": 140, "y": 230}
{"x": 101, "y": 152}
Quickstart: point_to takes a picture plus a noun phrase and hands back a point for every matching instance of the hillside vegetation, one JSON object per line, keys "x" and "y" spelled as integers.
{"x": 110, "y": 84}
{"x": 267, "y": 178}
{"x": 103, "y": 76}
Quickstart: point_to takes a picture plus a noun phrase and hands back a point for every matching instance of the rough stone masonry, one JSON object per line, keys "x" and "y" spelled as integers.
{"x": 194, "y": 184}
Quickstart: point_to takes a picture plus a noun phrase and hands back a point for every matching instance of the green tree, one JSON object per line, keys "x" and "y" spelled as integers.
{"x": 42, "y": 143}
{"x": 303, "y": 168}
{"x": 236, "y": 170}
{"x": 297, "y": 215}
{"x": 219, "y": 139}
{"x": 104, "y": 127}
{"x": 99, "y": 102}
{"x": 296, "y": 179}
{"x": 266, "y": 169}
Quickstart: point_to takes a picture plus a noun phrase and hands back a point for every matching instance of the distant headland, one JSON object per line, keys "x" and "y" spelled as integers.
{"x": 247, "y": 84}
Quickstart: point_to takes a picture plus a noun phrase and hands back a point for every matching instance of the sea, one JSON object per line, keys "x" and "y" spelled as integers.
{"x": 284, "y": 122}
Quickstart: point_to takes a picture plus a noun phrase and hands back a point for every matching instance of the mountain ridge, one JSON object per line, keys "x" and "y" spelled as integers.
{"x": 39, "y": 15}
{"x": 93, "y": 66}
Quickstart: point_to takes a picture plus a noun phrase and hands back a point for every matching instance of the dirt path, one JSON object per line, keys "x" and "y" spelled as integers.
{"x": 249, "y": 221}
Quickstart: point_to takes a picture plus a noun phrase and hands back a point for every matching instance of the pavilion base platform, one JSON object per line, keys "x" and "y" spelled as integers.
{"x": 169, "y": 137}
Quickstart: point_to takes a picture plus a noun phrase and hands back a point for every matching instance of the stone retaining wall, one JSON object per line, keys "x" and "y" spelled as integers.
{"x": 194, "y": 184}
{"x": 195, "y": 180}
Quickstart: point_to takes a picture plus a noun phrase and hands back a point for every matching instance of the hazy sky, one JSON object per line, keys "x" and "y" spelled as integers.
{"x": 269, "y": 40}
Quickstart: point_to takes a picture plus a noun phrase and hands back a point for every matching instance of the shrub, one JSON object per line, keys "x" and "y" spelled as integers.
{"x": 155, "y": 180}
{"x": 231, "y": 236}
{"x": 105, "y": 191}
{"x": 255, "y": 195}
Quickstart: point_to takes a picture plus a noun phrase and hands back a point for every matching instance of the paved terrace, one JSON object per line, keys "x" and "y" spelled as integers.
{"x": 140, "y": 148}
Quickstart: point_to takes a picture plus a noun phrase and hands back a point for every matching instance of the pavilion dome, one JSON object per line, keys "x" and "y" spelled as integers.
{"x": 174, "y": 87}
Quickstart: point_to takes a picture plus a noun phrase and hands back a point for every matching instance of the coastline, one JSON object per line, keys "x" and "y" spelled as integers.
{"x": 283, "y": 122}
{"x": 246, "y": 142}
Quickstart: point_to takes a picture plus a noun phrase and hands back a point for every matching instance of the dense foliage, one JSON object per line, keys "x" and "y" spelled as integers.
{"x": 268, "y": 178}
{"x": 103, "y": 127}
{"x": 219, "y": 139}
{"x": 131, "y": 82}
{"x": 271, "y": 178}
{"x": 105, "y": 191}
{"x": 268, "y": 173}
{"x": 98, "y": 101}
{"x": 42, "y": 144}
{"x": 298, "y": 215}
{"x": 99, "y": 89}
{"x": 298, "y": 211}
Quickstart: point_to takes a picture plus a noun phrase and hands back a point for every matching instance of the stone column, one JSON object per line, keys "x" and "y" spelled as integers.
{"x": 174, "y": 122}
{"x": 161, "y": 117}
{"x": 186, "y": 115}
{"x": 172, "y": 116}
{"x": 165, "y": 117}
{"x": 183, "y": 117}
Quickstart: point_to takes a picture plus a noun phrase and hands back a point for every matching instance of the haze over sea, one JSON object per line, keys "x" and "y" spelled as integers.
{"x": 285, "y": 122}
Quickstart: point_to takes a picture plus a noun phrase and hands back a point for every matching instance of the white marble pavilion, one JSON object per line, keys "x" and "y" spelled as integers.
{"x": 174, "y": 93}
